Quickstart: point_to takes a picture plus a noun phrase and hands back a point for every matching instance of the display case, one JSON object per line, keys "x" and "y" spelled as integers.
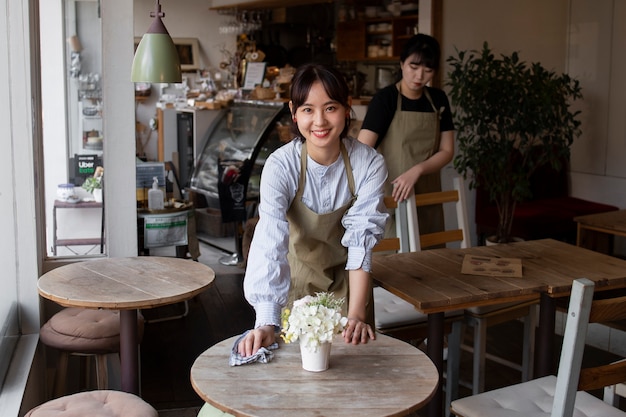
{"x": 235, "y": 148}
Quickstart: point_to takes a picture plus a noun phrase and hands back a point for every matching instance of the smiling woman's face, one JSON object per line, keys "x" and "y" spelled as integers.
{"x": 320, "y": 119}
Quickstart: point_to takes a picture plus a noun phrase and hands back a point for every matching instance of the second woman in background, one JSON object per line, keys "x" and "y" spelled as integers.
{"x": 411, "y": 126}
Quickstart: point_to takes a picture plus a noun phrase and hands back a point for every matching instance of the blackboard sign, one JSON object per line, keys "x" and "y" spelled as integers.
{"x": 148, "y": 170}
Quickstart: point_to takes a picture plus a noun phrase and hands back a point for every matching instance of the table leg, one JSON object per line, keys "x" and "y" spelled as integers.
{"x": 545, "y": 336}
{"x": 129, "y": 356}
{"x": 434, "y": 349}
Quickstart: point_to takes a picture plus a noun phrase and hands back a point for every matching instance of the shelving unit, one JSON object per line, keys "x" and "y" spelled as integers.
{"x": 374, "y": 39}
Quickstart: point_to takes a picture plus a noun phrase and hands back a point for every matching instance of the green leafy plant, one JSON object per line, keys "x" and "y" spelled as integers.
{"x": 511, "y": 118}
{"x": 91, "y": 183}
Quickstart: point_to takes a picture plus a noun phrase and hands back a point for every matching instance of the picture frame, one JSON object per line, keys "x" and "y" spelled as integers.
{"x": 188, "y": 52}
{"x": 254, "y": 75}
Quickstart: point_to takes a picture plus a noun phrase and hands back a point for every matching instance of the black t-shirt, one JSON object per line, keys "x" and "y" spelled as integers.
{"x": 382, "y": 108}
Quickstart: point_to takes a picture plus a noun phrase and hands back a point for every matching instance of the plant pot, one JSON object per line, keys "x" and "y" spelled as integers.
{"x": 97, "y": 195}
{"x": 491, "y": 240}
{"x": 315, "y": 361}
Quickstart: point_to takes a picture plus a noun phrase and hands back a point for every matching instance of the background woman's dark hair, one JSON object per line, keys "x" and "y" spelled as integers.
{"x": 333, "y": 82}
{"x": 427, "y": 49}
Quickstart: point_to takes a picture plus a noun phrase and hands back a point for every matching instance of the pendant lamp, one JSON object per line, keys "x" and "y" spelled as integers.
{"x": 156, "y": 59}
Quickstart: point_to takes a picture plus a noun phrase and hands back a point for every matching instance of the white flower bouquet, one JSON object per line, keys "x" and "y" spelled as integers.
{"x": 314, "y": 319}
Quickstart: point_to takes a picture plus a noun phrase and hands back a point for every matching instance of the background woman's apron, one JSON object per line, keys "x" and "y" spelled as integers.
{"x": 412, "y": 138}
{"x": 317, "y": 258}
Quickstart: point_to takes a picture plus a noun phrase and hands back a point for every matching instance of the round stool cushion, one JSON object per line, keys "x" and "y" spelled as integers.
{"x": 99, "y": 403}
{"x": 208, "y": 410}
{"x": 84, "y": 330}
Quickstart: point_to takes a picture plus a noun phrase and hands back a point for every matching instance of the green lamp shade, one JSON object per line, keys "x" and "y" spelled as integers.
{"x": 156, "y": 60}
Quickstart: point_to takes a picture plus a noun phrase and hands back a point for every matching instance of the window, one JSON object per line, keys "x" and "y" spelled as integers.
{"x": 73, "y": 128}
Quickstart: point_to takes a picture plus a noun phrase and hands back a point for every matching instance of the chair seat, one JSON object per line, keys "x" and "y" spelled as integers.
{"x": 86, "y": 331}
{"x": 208, "y": 410}
{"x": 392, "y": 311}
{"x": 529, "y": 399}
{"x": 100, "y": 403}
{"x": 500, "y": 308}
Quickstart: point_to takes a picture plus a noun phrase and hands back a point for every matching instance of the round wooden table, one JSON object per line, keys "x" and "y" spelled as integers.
{"x": 126, "y": 284}
{"x": 385, "y": 377}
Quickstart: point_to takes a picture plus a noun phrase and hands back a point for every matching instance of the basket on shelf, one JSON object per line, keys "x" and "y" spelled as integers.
{"x": 262, "y": 93}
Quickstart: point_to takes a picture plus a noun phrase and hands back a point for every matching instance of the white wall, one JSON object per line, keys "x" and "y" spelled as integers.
{"x": 537, "y": 29}
{"x": 597, "y": 41}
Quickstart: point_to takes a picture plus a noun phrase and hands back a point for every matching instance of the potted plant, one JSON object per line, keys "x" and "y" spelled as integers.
{"x": 314, "y": 320}
{"x": 511, "y": 118}
{"x": 93, "y": 185}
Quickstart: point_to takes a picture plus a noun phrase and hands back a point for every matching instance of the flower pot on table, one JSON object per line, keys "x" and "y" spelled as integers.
{"x": 315, "y": 359}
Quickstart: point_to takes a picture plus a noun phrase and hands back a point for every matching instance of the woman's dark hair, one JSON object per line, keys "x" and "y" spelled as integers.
{"x": 426, "y": 48}
{"x": 333, "y": 82}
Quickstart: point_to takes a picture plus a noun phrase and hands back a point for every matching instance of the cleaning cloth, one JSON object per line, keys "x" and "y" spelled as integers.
{"x": 263, "y": 355}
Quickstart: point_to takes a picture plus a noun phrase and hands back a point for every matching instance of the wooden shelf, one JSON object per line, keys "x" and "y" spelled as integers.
{"x": 353, "y": 37}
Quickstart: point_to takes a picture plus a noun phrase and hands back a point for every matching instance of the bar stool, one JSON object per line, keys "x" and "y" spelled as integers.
{"x": 84, "y": 332}
{"x": 95, "y": 403}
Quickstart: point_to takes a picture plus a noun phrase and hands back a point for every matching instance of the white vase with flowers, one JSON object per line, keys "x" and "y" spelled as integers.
{"x": 313, "y": 321}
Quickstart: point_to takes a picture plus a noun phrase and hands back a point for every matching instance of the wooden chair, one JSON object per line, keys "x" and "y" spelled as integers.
{"x": 563, "y": 395}
{"x": 396, "y": 317}
{"x": 479, "y": 318}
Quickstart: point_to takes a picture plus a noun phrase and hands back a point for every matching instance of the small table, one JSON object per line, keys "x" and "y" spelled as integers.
{"x": 67, "y": 242}
{"x": 594, "y": 229}
{"x": 385, "y": 377}
{"x": 432, "y": 281}
{"x": 126, "y": 284}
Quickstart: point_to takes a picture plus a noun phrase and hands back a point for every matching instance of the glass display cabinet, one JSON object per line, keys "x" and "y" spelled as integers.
{"x": 228, "y": 170}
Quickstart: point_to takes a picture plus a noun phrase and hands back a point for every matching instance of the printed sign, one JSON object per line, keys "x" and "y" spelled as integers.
{"x": 492, "y": 267}
{"x": 165, "y": 230}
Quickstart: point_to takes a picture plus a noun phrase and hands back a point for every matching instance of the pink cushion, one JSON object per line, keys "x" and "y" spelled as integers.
{"x": 100, "y": 403}
{"x": 83, "y": 330}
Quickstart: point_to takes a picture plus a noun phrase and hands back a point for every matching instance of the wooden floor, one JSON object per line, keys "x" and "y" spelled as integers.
{"x": 170, "y": 347}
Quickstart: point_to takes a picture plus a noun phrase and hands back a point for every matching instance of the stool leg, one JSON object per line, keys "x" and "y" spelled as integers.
{"x": 102, "y": 373}
{"x": 61, "y": 374}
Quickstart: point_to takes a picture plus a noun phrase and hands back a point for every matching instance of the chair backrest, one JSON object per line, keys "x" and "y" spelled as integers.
{"x": 400, "y": 243}
{"x": 461, "y": 234}
{"x": 583, "y": 310}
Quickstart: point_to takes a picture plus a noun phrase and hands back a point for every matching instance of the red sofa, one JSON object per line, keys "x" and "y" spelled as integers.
{"x": 548, "y": 214}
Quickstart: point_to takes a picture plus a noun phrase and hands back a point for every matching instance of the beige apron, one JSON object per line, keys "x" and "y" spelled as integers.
{"x": 413, "y": 137}
{"x": 316, "y": 256}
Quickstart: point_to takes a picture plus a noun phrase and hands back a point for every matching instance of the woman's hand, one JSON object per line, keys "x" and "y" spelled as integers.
{"x": 404, "y": 184}
{"x": 357, "y": 332}
{"x": 260, "y": 337}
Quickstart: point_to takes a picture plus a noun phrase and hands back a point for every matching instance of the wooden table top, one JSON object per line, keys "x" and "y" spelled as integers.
{"x": 125, "y": 283}
{"x": 611, "y": 220}
{"x": 432, "y": 280}
{"x": 385, "y": 377}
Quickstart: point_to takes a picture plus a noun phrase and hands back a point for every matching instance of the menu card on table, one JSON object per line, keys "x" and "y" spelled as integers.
{"x": 492, "y": 267}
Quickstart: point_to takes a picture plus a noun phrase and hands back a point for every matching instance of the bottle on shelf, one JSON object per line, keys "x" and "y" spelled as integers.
{"x": 155, "y": 196}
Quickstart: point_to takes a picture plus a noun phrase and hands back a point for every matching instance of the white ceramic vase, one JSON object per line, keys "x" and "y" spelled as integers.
{"x": 315, "y": 361}
{"x": 97, "y": 195}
